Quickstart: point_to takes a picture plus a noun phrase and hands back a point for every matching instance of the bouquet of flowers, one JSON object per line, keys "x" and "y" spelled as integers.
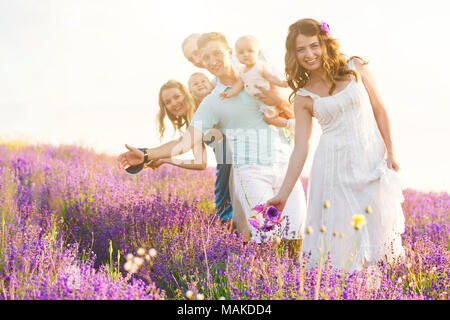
{"x": 271, "y": 216}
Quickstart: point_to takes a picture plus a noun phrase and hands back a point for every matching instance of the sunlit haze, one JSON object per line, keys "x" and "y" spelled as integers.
{"x": 88, "y": 72}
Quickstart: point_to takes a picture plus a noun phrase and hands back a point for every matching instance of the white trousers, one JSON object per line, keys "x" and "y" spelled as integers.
{"x": 255, "y": 184}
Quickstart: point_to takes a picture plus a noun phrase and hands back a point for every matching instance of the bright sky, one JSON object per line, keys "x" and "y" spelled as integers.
{"x": 89, "y": 71}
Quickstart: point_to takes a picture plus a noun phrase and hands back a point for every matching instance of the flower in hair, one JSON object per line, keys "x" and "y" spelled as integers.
{"x": 325, "y": 28}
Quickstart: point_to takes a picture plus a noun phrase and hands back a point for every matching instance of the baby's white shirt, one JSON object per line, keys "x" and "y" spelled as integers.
{"x": 254, "y": 77}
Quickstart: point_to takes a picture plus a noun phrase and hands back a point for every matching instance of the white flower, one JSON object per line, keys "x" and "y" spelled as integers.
{"x": 141, "y": 252}
{"x": 138, "y": 261}
{"x": 152, "y": 252}
{"x": 128, "y": 265}
{"x": 74, "y": 279}
{"x": 200, "y": 296}
{"x": 134, "y": 268}
{"x": 189, "y": 294}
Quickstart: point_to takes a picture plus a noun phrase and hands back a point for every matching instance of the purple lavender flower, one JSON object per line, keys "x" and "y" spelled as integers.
{"x": 272, "y": 213}
{"x": 46, "y": 188}
{"x": 254, "y": 222}
{"x": 268, "y": 225}
{"x": 258, "y": 208}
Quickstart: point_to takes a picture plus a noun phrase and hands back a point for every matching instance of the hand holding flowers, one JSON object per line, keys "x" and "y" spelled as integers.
{"x": 271, "y": 215}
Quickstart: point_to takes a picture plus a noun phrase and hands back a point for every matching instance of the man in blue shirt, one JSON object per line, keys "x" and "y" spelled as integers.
{"x": 260, "y": 152}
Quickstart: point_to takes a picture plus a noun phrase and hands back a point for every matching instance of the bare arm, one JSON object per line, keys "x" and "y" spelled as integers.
{"x": 170, "y": 149}
{"x": 198, "y": 163}
{"x": 270, "y": 97}
{"x": 276, "y": 121}
{"x": 303, "y": 130}
{"x": 272, "y": 78}
{"x": 379, "y": 111}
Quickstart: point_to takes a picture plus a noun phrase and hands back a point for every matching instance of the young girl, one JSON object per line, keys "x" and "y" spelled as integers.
{"x": 256, "y": 73}
{"x": 350, "y": 181}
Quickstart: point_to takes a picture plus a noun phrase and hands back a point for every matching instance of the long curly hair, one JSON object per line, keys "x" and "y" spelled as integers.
{"x": 178, "y": 123}
{"x": 333, "y": 61}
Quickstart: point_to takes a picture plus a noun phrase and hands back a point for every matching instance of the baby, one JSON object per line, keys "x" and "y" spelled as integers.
{"x": 255, "y": 72}
{"x": 199, "y": 85}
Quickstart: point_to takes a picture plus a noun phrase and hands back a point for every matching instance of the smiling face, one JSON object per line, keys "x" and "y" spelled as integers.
{"x": 308, "y": 52}
{"x": 216, "y": 58}
{"x": 173, "y": 100}
{"x": 199, "y": 85}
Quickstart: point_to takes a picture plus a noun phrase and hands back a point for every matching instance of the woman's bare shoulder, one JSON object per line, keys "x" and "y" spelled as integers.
{"x": 303, "y": 102}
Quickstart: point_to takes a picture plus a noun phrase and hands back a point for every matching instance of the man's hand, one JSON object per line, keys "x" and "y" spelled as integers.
{"x": 268, "y": 96}
{"x": 131, "y": 158}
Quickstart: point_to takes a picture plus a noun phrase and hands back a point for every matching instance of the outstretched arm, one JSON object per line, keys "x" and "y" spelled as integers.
{"x": 198, "y": 163}
{"x": 379, "y": 111}
{"x": 272, "y": 78}
{"x": 168, "y": 150}
{"x": 303, "y": 129}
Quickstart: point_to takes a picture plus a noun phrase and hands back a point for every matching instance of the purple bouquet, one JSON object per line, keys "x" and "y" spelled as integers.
{"x": 272, "y": 218}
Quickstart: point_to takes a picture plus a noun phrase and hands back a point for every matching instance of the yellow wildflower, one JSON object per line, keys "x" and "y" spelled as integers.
{"x": 277, "y": 240}
{"x": 358, "y": 221}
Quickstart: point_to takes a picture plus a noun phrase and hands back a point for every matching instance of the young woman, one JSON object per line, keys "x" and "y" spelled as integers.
{"x": 176, "y": 103}
{"x": 179, "y": 105}
{"x": 350, "y": 177}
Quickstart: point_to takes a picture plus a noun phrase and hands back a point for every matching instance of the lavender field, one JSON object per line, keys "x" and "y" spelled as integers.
{"x": 73, "y": 226}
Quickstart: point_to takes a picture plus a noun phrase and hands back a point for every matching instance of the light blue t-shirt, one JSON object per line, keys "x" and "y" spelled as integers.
{"x": 251, "y": 139}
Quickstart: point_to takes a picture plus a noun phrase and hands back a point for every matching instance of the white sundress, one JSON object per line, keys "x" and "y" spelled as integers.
{"x": 350, "y": 171}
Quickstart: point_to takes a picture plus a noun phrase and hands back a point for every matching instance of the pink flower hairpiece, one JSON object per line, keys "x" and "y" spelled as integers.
{"x": 325, "y": 28}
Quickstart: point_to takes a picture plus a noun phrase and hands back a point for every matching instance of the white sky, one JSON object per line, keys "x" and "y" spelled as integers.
{"x": 89, "y": 71}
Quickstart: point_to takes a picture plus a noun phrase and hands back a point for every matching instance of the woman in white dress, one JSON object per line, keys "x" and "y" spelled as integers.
{"x": 350, "y": 176}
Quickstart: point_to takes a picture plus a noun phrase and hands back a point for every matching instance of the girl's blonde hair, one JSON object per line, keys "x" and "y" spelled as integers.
{"x": 177, "y": 122}
{"x": 333, "y": 61}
